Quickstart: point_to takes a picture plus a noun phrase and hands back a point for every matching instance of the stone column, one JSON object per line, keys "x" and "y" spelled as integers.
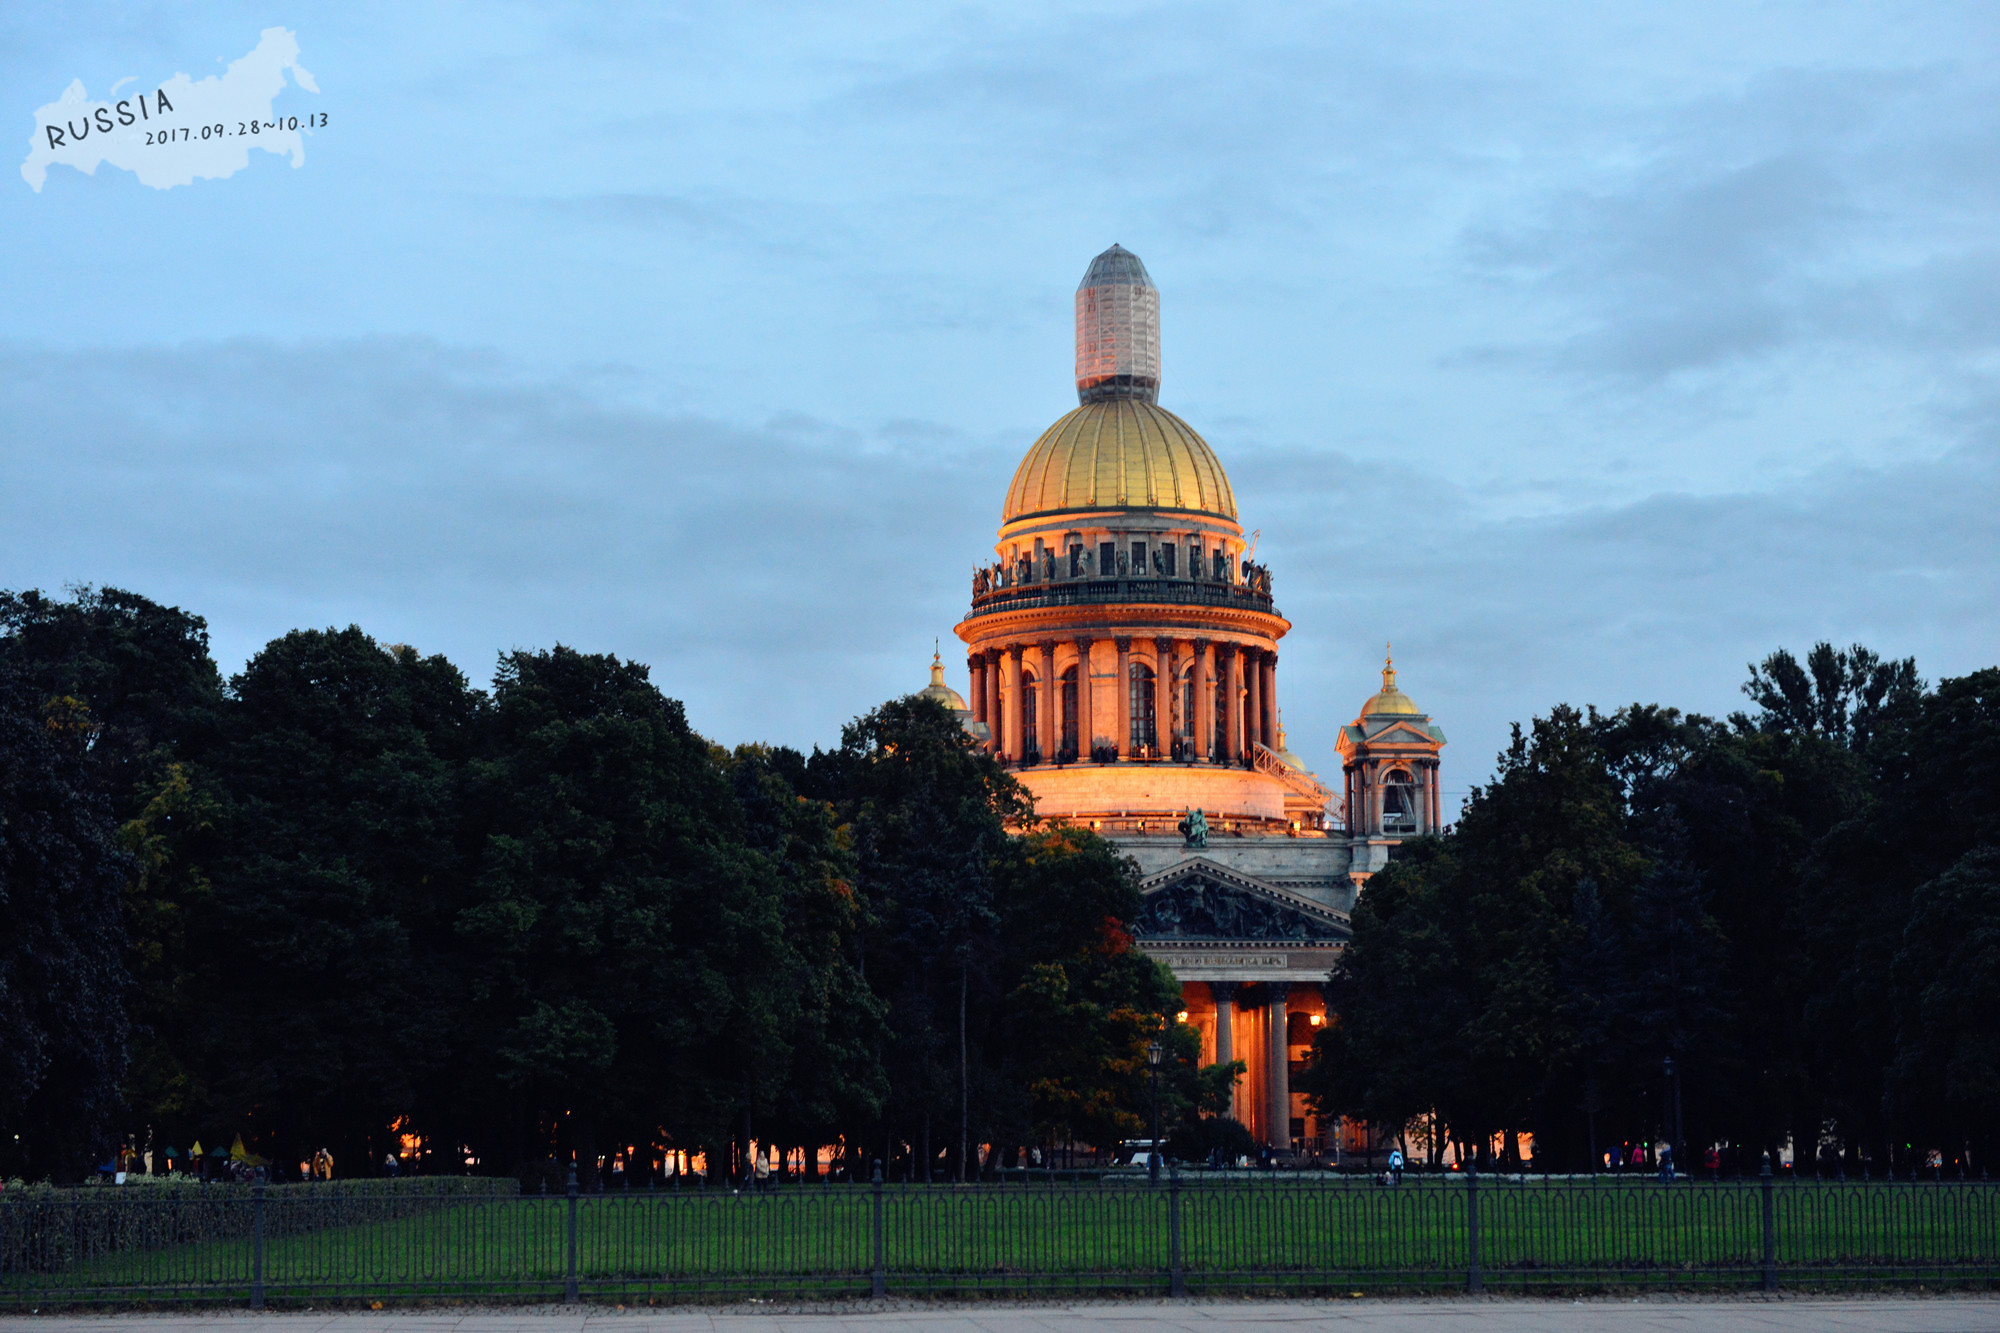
{"x": 1121, "y": 705}
{"x": 1253, "y": 705}
{"x": 1233, "y": 705}
{"x": 1203, "y": 721}
{"x": 1271, "y": 700}
{"x": 1049, "y": 722}
{"x": 1163, "y": 696}
{"x": 1280, "y": 1074}
{"x": 992, "y": 661}
{"x": 1086, "y": 732}
{"x": 1010, "y": 705}
{"x": 1224, "y": 993}
{"x": 975, "y": 668}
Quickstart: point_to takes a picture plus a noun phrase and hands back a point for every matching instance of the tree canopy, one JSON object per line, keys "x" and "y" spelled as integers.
{"x": 348, "y": 897}
{"x": 1792, "y": 905}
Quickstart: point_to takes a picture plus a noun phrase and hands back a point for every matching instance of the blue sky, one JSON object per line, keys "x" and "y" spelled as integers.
{"x": 1588, "y": 352}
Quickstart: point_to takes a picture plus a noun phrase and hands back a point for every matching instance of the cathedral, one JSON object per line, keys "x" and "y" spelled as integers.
{"x": 1123, "y": 659}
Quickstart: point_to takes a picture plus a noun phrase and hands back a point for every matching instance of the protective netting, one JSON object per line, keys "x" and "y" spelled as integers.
{"x": 1117, "y": 330}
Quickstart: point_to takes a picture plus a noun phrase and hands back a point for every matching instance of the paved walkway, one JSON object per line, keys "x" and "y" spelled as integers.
{"x": 1945, "y": 1314}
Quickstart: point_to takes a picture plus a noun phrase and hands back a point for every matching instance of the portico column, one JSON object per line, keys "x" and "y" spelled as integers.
{"x": 975, "y": 667}
{"x": 1233, "y": 705}
{"x": 1253, "y": 681}
{"x": 1011, "y": 702}
{"x": 992, "y": 673}
{"x": 1271, "y": 700}
{"x": 1049, "y": 721}
{"x": 1224, "y": 993}
{"x": 1121, "y": 703}
{"x": 1280, "y": 1077}
{"x": 1163, "y": 697}
{"x": 1203, "y": 721}
{"x": 1086, "y": 733}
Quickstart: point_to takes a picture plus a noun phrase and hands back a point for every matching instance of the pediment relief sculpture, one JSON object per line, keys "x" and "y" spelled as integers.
{"x": 1201, "y": 908}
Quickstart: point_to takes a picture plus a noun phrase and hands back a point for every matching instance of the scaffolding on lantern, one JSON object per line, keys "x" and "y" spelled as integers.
{"x": 1117, "y": 330}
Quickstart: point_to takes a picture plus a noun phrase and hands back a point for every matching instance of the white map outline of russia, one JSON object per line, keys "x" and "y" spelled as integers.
{"x": 241, "y": 94}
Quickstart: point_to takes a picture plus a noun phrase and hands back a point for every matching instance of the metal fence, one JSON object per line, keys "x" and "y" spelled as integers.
{"x": 1185, "y": 1235}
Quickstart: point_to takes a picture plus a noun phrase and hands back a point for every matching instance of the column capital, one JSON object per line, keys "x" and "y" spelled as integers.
{"x": 1275, "y": 991}
{"x": 1224, "y": 992}
{"x": 1016, "y": 649}
{"x": 1124, "y": 642}
{"x": 1049, "y": 646}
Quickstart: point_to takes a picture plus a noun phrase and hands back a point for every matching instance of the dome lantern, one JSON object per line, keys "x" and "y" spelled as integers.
{"x": 1117, "y": 330}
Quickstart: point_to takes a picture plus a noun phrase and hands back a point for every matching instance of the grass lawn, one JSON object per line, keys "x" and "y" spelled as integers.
{"x": 1242, "y": 1234}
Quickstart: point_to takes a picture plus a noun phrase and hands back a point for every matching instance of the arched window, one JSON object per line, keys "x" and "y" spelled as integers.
{"x": 1068, "y": 742}
{"x": 1031, "y": 737}
{"x": 1145, "y": 740}
{"x": 1399, "y": 802}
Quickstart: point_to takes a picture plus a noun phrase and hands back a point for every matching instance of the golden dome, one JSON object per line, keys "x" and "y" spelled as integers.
{"x": 1389, "y": 700}
{"x": 1119, "y": 454}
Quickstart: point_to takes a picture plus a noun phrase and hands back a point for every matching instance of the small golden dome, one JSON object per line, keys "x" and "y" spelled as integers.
{"x": 942, "y": 692}
{"x": 1389, "y": 700}
{"x": 1119, "y": 454}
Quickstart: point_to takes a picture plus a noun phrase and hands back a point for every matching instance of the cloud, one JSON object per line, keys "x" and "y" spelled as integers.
{"x": 1807, "y": 212}
{"x": 786, "y": 577}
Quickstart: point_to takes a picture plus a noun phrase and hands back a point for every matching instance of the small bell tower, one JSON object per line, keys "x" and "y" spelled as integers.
{"x": 1389, "y": 759}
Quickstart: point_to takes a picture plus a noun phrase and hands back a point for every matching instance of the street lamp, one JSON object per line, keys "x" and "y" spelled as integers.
{"x": 1153, "y": 1054}
{"x": 1673, "y": 1076}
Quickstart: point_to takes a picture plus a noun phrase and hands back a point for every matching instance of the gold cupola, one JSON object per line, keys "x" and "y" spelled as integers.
{"x": 1390, "y": 701}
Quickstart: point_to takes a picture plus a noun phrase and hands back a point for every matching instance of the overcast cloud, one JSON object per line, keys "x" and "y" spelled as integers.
{"x": 1586, "y": 353}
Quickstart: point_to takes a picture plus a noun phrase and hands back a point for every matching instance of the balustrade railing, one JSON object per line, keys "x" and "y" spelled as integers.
{"x": 1097, "y": 592}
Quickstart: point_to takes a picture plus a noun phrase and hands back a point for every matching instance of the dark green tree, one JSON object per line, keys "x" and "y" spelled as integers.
{"x": 1082, "y": 1005}
{"x": 630, "y": 977}
{"x": 929, "y": 813}
{"x": 143, "y": 670}
{"x": 329, "y": 1000}
{"x": 63, "y": 1025}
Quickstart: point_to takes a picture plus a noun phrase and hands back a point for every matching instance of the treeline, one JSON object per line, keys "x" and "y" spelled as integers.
{"x": 346, "y": 896}
{"x": 1799, "y": 906}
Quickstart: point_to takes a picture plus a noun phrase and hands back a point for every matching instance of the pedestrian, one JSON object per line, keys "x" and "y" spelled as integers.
{"x": 1666, "y": 1156}
{"x": 390, "y": 1166}
{"x": 1713, "y": 1161}
{"x": 1396, "y": 1165}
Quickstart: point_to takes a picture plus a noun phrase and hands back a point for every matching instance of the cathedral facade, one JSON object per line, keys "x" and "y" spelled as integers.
{"x": 1123, "y": 653}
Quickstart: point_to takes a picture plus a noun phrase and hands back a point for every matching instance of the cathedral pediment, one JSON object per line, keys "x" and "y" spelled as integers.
{"x": 1401, "y": 733}
{"x": 1200, "y": 900}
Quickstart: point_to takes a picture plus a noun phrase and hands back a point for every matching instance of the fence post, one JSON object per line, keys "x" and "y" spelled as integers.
{"x": 1177, "y": 1282}
{"x": 1770, "y": 1228}
{"x": 878, "y": 1285}
{"x": 257, "y": 1246}
{"x": 570, "y": 1295}
{"x": 1475, "y": 1281}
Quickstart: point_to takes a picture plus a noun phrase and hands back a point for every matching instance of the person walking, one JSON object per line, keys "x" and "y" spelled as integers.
{"x": 1396, "y": 1165}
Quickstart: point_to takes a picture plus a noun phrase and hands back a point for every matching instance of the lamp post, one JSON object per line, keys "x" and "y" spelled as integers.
{"x": 1673, "y": 1075}
{"x": 1153, "y": 1054}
